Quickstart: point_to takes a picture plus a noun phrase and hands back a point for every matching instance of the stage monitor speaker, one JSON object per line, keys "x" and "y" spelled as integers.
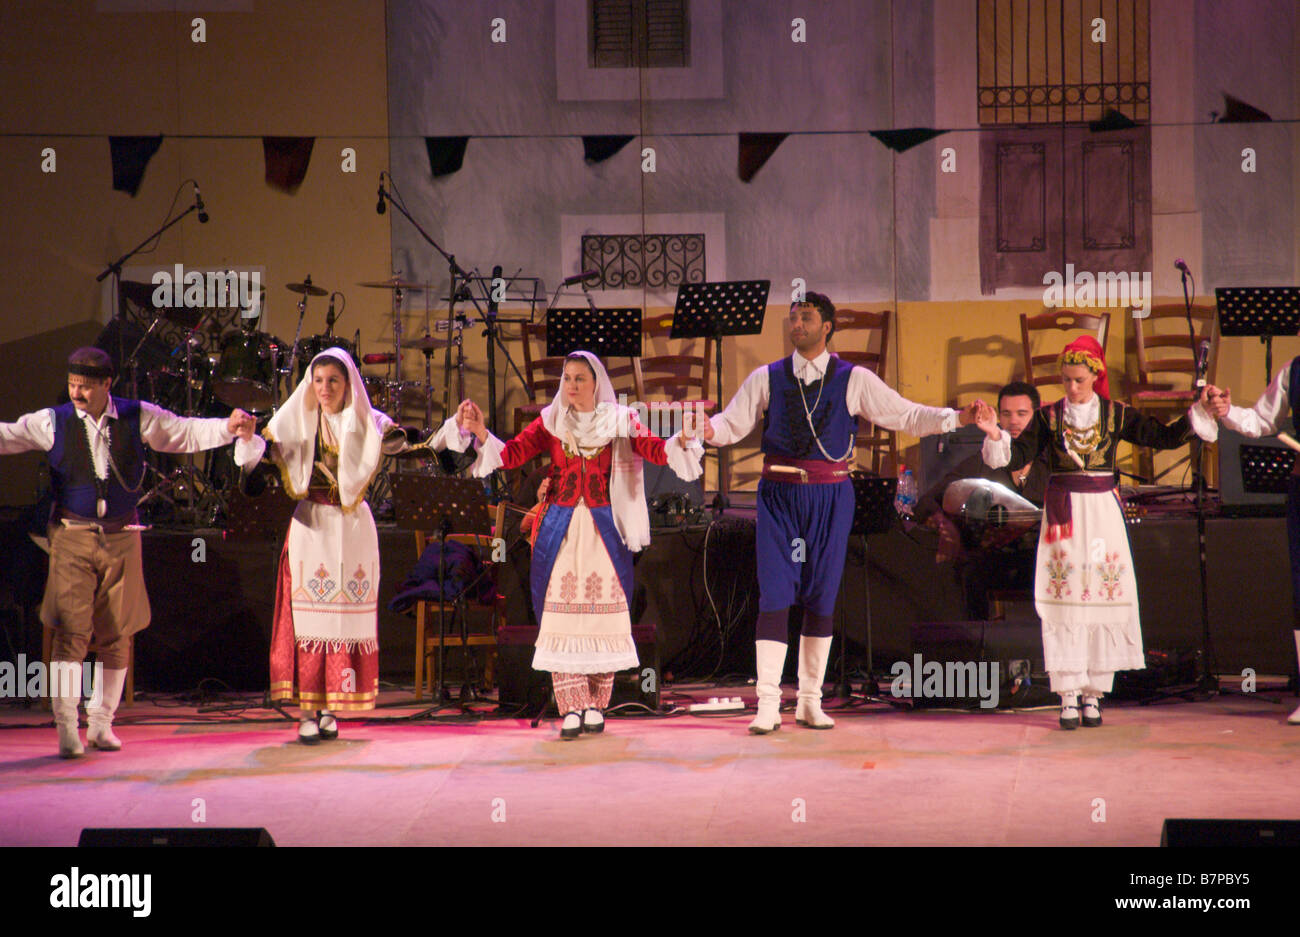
{"x": 176, "y": 836}
{"x": 1234, "y": 498}
{"x": 1016, "y": 647}
{"x": 1230, "y": 833}
{"x": 943, "y": 452}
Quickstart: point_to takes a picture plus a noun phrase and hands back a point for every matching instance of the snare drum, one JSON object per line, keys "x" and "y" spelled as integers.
{"x": 245, "y": 374}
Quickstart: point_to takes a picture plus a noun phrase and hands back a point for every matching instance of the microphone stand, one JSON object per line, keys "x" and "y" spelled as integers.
{"x": 115, "y": 270}
{"x": 457, "y": 273}
{"x": 1206, "y": 681}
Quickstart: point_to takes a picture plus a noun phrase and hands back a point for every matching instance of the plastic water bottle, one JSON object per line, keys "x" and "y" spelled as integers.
{"x": 905, "y": 499}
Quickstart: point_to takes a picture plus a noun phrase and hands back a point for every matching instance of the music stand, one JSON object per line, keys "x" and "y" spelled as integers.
{"x": 605, "y": 333}
{"x": 713, "y": 310}
{"x": 1264, "y": 311}
{"x": 873, "y": 513}
{"x": 1266, "y": 470}
{"x": 446, "y": 506}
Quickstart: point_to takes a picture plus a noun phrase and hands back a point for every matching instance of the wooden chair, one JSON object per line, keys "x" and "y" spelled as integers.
{"x": 857, "y": 328}
{"x": 543, "y": 375}
{"x": 427, "y": 639}
{"x": 1166, "y": 364}
{"x": 682, "y": 379}
{"x": 128, "y": 691}
{"x": 1043, "y": 369}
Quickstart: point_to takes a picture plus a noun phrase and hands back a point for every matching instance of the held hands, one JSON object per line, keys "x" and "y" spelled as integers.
{"x": 242, "y": 425}
{"x": 470, "y": 420}
{"x": 983, "y": 416}
{"x": 691, "y": 429}
{"x": 1216, "y": 401}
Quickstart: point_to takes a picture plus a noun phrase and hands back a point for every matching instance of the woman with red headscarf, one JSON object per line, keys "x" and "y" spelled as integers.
{"x": 1084, "y": 587}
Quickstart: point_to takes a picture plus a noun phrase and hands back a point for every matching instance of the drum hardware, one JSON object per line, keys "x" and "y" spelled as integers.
{"x": 304, "y": 289}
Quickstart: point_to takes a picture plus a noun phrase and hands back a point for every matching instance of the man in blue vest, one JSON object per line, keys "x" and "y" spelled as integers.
{"x": 95, "y": 596}
{"x": 809, "y": 404}
{"x": 1267, "y": 417}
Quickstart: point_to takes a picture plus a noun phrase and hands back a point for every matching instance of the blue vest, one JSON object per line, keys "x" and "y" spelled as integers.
{"x": 72, "y": 470}
{"x": 785, "y": 425}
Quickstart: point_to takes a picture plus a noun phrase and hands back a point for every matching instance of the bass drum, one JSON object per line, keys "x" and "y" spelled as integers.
{"x": 245, "y": 375}
{"x": 165, "y": 386}
{"x": 313, "y": 345}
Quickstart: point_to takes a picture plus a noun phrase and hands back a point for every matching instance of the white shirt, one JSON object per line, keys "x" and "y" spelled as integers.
{"x": 1260, "y": 420}
{"x": 867, "y": 396}
{"x": 160, "y": 430}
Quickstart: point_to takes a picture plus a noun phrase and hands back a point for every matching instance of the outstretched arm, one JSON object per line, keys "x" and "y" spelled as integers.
{"x": 31, "y": 431}
{"x": 875, "y": 401}
{"x": 741, "y": 415}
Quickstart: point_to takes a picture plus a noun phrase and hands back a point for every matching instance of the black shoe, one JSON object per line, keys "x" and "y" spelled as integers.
{"x": 593, "y": 727}
{"x": 308, "y": 732}
{"x": 1091, "y": 721}
{"x": 328, "y": 725}
{"x": 569, "y": 734}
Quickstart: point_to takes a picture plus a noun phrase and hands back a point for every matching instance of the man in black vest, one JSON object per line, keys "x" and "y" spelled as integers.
{"x": 95, "y": 594}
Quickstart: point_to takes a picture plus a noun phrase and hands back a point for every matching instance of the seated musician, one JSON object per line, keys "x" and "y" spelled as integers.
{"x": 1002, "y": 568}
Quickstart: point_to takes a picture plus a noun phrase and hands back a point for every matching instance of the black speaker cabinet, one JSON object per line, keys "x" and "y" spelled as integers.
{"x": 177, "y": 836}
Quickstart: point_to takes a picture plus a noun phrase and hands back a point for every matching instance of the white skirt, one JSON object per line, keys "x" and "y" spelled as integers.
{"x": 1086, "y": 593}
{"x": 585, "y": 626}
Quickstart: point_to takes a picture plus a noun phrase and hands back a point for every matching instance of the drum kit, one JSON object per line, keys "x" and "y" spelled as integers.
{"x": 250, "y": 369}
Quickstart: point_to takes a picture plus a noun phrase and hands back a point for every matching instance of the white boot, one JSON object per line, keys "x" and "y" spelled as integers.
{"x": 813, "y": 654}
{"x": 1294, "y": 718}
{"x": 99, "y": 734}
{"x": 771, "y": 661}
{"x": 65, "y": 695}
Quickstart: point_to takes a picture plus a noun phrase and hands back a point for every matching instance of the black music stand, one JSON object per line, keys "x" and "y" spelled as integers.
{"x": 714, "y": 310}
{"x": 873, "y": 513}
{"x": 606, "y": 333}
{"x": 1266, "y": 470}
{"x": 447, "y": 506}
{"x": 1264, "y": 311}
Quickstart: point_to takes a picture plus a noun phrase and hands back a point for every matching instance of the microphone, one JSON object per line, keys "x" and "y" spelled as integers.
{"x": 1180, "y": 264}
{"x": 380, "y": 207}
{"x": 1202, "y": 360}
{"x": 198, "y": 203}
{"x": 579, "y": 277}
{"x": 329, "y": 316}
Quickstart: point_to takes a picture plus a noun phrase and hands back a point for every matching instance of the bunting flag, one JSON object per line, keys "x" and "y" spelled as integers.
{"x": 755, "y": 150}
{"x": 446, "y": 154}
{"x": 130, "y": 157}
{"x": 287, "y": 159}
{"x": 1237, "y": 111}
{"x": 1111, "y": 120}
{"x": 900, "y": 141}
{"x": 597, "y": 149}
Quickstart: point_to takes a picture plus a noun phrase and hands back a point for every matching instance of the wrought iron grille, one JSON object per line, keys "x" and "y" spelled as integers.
{"x": 1038, "y": 63}
{"x": 655, "y": 261}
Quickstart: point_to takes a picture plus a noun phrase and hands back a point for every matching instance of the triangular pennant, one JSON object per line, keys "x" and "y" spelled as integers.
{"x": 287, "y": 159}
{"x": 755, "y": 150}
{"x": 1237, "y": 111}
{"x": 597, "y": 149}
{"x": 446, "y": 154}
{"x": 900, "y": 141}
{"x": 1111, "y": 120}
{"x": 130, "y": 157}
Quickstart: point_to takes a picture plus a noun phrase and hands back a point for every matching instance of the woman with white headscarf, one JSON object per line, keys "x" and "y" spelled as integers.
{"x": 327, "y": 441}
{"x": 593, "y": 518}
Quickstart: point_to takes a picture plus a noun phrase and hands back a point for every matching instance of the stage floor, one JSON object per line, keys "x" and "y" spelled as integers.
{"x": 881, "y": 777}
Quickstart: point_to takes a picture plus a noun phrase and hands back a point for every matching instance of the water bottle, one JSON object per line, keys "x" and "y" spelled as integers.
{"x": 905, "y": 499}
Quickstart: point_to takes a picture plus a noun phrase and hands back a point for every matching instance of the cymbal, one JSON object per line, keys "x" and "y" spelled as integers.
{"x": 393, "y": 283}
{"x": 425, "y": 343}
{"x": 306, "y": 288}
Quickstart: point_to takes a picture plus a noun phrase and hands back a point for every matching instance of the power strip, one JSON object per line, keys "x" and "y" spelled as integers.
{"x": 718, "y": 704}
